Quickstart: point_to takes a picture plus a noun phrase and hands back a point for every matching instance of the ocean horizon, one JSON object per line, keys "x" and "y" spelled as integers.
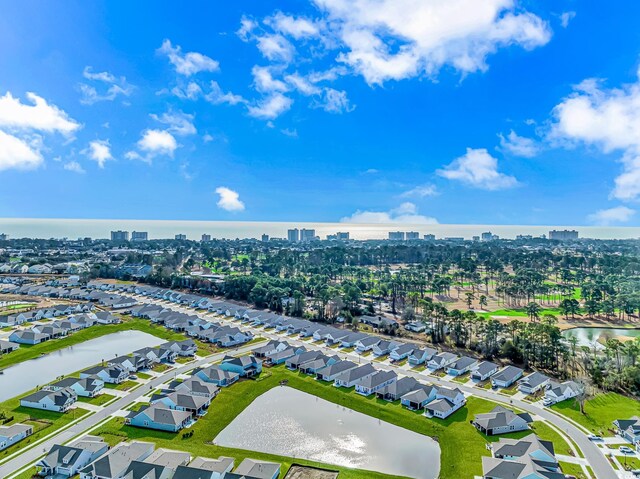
{"x": 161, "y": 229}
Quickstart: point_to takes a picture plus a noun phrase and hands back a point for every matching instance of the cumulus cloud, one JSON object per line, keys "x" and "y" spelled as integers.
{"x": 247, "y": 26}
{"x": 334, "y": 101}
{"x": 608, "y": 119}
{"x": 153, "y": 143}
{"x": 605, "y": 217}
{"x": 297, "y": 28}
{"x": 17, "y": 154}
{"x": 109, "y": 85}
{"x": 479, "y": 169}
{"x": 270, "y": 107}
{"x": 302, "y": 84}
{"x": 264, "y": 81}
{"x": 217, "y": 96}
{"x": 74, "y": 166}
{"x": 421, "y": 191}
{"x": 406, "y": 213}
{"x": 191, "y": 91}
{"x": 275, "y": 47}
{"x": 519, "y": 145}
{"x": 99, "y": 151}
{"x": 178, "y": 122}
{"x": 190, "y": 63}
{"x": 396, "y": 39}
{"x": 229, "y": 200}
{"x": 40, "y": 115}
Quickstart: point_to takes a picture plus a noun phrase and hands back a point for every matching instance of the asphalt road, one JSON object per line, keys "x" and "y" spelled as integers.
{"x": 598, "y": 462}
{"x": 30, "y": 456}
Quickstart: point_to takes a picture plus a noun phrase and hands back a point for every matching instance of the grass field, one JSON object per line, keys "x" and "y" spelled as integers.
{"x": 454, "y": 434}
{"x": 600, "y": 411}
{"x": 27, "y": 352}
{"x": 98, "y": 400}
{"x": 573, "y": 470}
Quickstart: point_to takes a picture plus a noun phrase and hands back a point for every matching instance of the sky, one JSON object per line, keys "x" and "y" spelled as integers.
{"x": 360, "y": 111}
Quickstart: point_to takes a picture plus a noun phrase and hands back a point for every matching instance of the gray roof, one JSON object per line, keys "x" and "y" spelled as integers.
{"x": 400, "y": 387}
{"x": 534, "y": 379}
{"x": 377, "y": 379}
{"x": 500, "y": 417}
{"x": 462, "y": 363}
{"x": 356, "y": 373}
{"x": 336, "y": 368}
{"x": 255, "y": 469}
{"x": 118, "y": 459}
{"x": 217, "y": 465}
{"x": 162, "y": 415}
{"x": 485, "y": 367}
{"x": 507, "y": 374}
{"x": 440, "y": 405}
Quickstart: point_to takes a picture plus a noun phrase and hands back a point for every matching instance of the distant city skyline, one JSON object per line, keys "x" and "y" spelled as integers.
{"x": 322, "y": 111}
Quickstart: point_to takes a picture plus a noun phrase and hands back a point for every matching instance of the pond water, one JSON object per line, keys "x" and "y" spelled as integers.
{"x": 27, "y": 375}
{"x": 292, "y": 423}
{"x": 589, "y": 336}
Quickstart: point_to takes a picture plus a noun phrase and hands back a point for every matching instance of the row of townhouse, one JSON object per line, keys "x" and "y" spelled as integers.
{"x": 92, "y": 458}
{"x": 57, "y": 329}
{"x": 16, "y": 319}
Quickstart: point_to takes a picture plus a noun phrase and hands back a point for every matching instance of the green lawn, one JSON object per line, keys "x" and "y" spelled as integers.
{"x": 143, "y": 375}
{"x": 573, "y": 469}
{"x": 600, "y": 412}
{"x": 123, "y": 386}
{"x": 32, "y": 351}
{"x": 43, "y": 422}
{"x": 454, "y": 434}
{"x": 98, "y": 400}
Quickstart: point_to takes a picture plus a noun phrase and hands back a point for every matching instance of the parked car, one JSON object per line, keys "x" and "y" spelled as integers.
{"x": 626, "y": 450}
{"x": 594, "y": 437}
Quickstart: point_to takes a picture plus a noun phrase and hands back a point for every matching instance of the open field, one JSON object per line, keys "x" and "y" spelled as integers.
{"x": 454, "y": 434}
{"x": 600, "y": 411}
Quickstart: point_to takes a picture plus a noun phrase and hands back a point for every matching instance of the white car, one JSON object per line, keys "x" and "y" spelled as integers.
{"x": 626, "y": 450}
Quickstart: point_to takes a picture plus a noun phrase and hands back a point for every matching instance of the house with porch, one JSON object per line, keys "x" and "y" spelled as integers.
{"x": 501, "y": 421}
{"x": 245, "y": 366}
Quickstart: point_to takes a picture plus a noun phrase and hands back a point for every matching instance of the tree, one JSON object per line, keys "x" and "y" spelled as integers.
{"x": 469, "y": 297}
{"x": 533, "y": 311}
{"x": 483, "y": 301}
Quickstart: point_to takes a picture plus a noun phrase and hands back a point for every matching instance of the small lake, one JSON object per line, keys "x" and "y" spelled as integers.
{"x": 589, "y": 336}
{"x": 27, "y": 375}
{"x": 292, "y": 423}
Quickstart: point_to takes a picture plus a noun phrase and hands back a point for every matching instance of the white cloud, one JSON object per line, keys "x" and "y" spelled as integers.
{"x": 247, "y": 26}
{"x": 421, "y": 191}
{"x": 302, "y": 84}
{"x": 270, "y": 107}
{"x": 296, "y": 27}
{"x": 397, "y": 39}
{"x": 479, "y": 169}
{"x": 608, "y": 119}
{"x": 113, "y": 87}
{"x": 17, "y": 154}
{"x": 618, "y": 214}
{"x": 406, "y": 213}
{"x": 229, "y": 200}
{"x": 74, "y": 166}
{"x": 275, "y": 47}
{"x": 217, "y": 96}
{"x": 190, "y": 63}
{"x": 288, "y": 132}
{"x": 178, "y": 122}
{"x": 264, "y": 82}
{"x": 154, "y": 143}
{"x": 99, "y": 151}
{"x": 190, "y": 92}
{"x": 519, "y": 145}
{"x": 334, "y": 101}
{"x": 38, "y": 116}
{"x": 566, "y": 17}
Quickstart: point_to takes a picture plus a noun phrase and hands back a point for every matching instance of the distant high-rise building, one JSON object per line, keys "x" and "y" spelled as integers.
{"x": 293, "y": 235}
{"x": 139, "y": 236}
{"x": 265, "y": 238}
{"x": 119, "y": 235}
{"x": 3, "y": 237}
{"x": 342, "y": 235}
{"x": 396, "y": 235}
{"x": 205, "y": 238}
{"x": 487, "y": 236}
{"x": 430, "y": 237}
{"x": 563, "y": 235}
{"x": 412, "y": 235}
{"x": 332, "y": 237}
{"x": 181, "y": 237}
{"x": 307, "y": 235}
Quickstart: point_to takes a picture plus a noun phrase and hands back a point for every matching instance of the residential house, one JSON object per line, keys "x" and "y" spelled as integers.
{"x": 483, "y": 371}
{"x": 246, "y": 366}
{"x": 216, "y": 375}
{"x": 351, "y": 377}
{"x": 7, "y": 347}
{"x": 526, "y": 458}
{"x": 416, "y": 327}
{"x": 313, "y": 366}
{"x": 501, "y": 421}
{"x": 196, "y": 387}
{"x": 279, "y": 357}
{"x": 533, "y": 383}
{"x": 558, "y": 392}
{"x": 252, "y": 469}
{"x": 441, "y": 360}
{"x": 10, "y": 435}
{"x": 28, "y": 337}
{"x": 58, "y": 401}
{"x": 114, "y": 463}
{"x": 447, "y": 402}
{"x": 628, "y": 429}
{"x": 421, "y": 356}
{"x": 66, "y": 461}
{"x": 419, "y": 397}
{"x": 87, "y": 387}
{"x": 506, "y": 377}
{"x": 384, "y": 347}
{"x": 402, "y": 352}
{"x": 205, "y": 468}
{"x": 374, "y": 383}
{"x": 132, "y": 363}
{"x": 114, "y": 374}
{"x": 366, "y": 344}
{"x": 294, "y": 362}
{"x": 395, "y": 390}
{"x": 146, "y": 470}
{"x": 182, "y": 401}
{"x": 461, "y": 366}
{"x": 331, "y": 371}
{"x": 159, "y": 417}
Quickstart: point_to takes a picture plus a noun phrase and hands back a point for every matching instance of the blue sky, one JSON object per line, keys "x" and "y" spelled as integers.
{"x": 493, "y": 112}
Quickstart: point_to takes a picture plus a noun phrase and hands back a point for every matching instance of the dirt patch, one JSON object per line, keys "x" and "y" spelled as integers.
{"x": 305, "y": 472}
